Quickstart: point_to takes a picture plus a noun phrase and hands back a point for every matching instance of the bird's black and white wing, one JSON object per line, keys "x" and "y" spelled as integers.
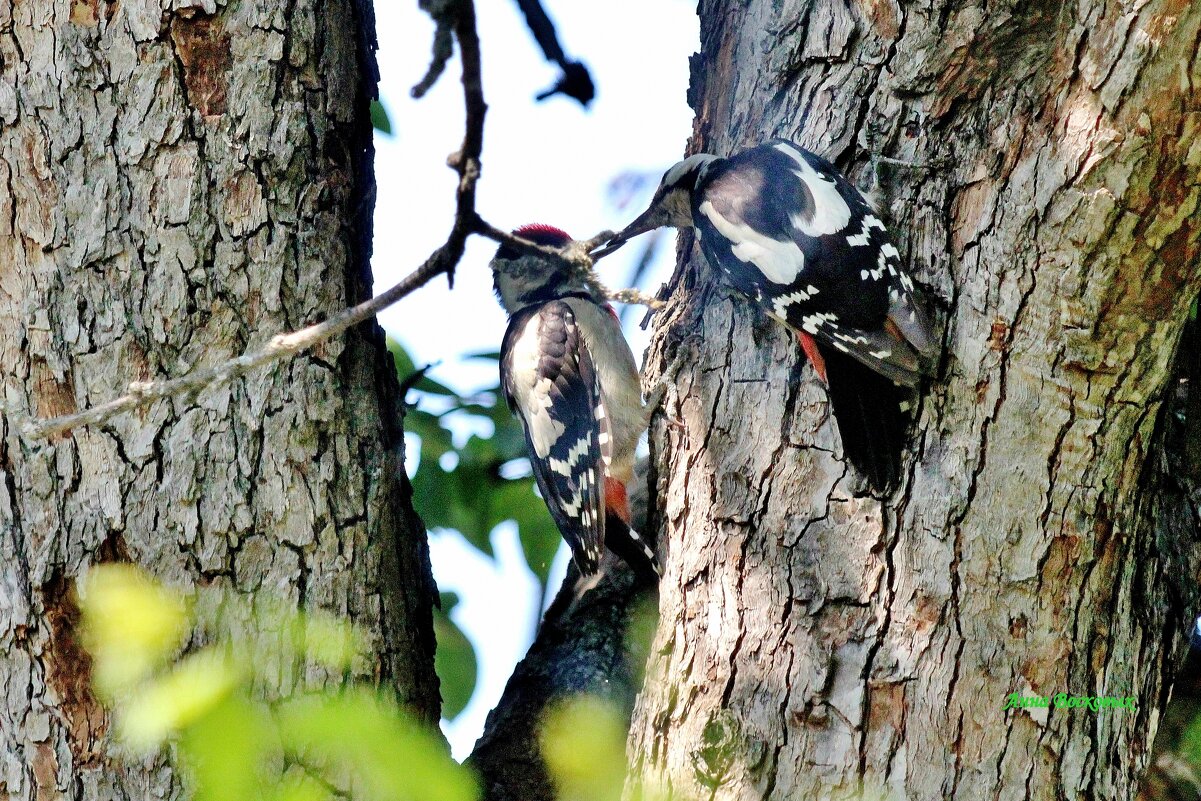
{"x": 549, "y": 381}
{"x": 788, "y": 230}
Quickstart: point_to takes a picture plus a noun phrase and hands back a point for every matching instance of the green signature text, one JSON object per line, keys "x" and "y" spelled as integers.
{"x": 1095, "y": 703}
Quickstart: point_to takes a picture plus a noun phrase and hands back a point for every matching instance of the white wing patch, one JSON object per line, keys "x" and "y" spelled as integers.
{"x": 831, "y": 213}
{"x": 780, "y": 304}
{"x": 812, "y": 323}
{"x": 863, "y": 238}
{"x": 533, "y": 396}
{"x": 780, "y": 262}
{"x": 578, "y": 451}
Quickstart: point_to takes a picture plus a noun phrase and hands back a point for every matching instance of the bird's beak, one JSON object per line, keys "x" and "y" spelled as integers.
{"x": 647, "y": 221}
{"x": 610, "y": 246}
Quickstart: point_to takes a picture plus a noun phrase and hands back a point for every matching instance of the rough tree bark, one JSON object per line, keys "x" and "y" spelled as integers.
{"x": 817, "y": 643}
{"x": 176, "y": 186}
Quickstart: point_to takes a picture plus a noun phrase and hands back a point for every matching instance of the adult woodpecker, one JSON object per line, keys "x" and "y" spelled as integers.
{"x": 791, "y": 233}
{"x": 567, "y": 372}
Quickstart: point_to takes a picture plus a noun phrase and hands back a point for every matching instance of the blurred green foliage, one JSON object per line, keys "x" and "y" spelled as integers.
{"x": 471, "y": 488}
{"x": 350, "y": 741}
{"x": 454, "y": 661}
{"x": 583, "y": 742}
{"x": 1189, "y": 747}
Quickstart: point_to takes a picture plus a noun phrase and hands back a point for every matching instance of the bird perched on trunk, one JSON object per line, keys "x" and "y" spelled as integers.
{"x": 791, "y": 233}
{"x": 567, "y": 372}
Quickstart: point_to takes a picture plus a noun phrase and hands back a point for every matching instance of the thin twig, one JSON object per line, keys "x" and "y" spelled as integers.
{"x": 575, "y": 81}
{"x": 636, "y": 297}
{"x": 577, "y": 254}
{"x": 281, "y": 346}
{"x": 467, "y": 160}
{"x": 414, "y": 378}
{"x": 442, "y": 12}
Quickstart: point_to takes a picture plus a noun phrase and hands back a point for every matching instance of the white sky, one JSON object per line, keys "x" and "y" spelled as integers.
{"x": 545, "y": 162}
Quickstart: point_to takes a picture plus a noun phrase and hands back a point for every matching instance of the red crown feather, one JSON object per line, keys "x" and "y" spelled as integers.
{"x": 541, "y": 234}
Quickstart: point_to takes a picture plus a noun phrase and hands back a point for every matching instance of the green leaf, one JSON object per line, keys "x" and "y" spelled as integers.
{"x": 389, "y": 755}
{"x": 479, "y": 454}
{"x": 189, "y": 691}
{"x": 435, "y": 496}
{"x": 583, "y": 742}
{"x": 131, "y": 623}
{"x": 473, "y": 513}
{"x": 447, "y": 600}
{"x": 507, "y": 441}
{"x": 457, "y": 500}
{"x": 435, "y": 439}
{"x": 508, "y": 437}
{"x": 1190, "y": 742}
{"x": 379, "y": 118}
{"x": 455, "y": 663}
{"x": 296, "y": 786}
{"x": 328, "y": 640}
{"x": 405, "y": 368}
{"x": 226, "y": 749}
{"x": 352, "y": 742}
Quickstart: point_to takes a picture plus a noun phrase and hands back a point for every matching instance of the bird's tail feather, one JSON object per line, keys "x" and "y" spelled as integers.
{"x": 633, "y": 549}
{"x": 872, "y": 417}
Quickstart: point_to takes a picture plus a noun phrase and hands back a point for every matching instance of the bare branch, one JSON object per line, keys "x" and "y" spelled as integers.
{"x": 466, "y": 161}
{"x": 443, "y": 14}
{"x": 575, "y": 81}
{"x": 636, "y": 297}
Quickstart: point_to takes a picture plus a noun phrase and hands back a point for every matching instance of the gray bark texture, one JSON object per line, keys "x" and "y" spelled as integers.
{"x": 179, "y": 182}
{"x": 815, "y": 642}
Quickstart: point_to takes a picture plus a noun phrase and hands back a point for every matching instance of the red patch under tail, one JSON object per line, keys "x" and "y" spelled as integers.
{"x": 809, "y": 345}
{"x": 616, "y": 499}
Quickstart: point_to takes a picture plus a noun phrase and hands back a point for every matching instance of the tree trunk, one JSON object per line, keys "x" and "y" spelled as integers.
{"x": 176, "y": 187}
{"x": 817, "y": 643}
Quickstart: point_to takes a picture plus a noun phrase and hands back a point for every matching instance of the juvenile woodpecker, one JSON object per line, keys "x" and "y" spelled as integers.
{"x": 567, "y": 372}
{"x": 791, "y": 233}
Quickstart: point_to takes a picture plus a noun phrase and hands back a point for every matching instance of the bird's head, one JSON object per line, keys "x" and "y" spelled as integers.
{"x": 521, "y": 279}
{"x": 671, "y": 205}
